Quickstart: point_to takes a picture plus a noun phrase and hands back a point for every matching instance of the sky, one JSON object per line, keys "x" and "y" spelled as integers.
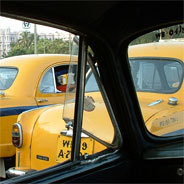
{"x": 16, "y": 25}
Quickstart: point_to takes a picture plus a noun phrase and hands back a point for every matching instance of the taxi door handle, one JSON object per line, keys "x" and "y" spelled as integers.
{"x": 42, "y": 100}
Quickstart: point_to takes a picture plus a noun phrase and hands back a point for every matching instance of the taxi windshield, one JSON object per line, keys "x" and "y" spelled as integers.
{"x": 156, "y": 74}
{"x": 7, "y": 76}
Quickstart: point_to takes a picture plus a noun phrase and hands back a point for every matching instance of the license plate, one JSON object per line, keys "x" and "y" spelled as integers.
{"x": 64, "y": 145}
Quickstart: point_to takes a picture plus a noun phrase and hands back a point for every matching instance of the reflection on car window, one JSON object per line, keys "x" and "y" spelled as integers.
{"x": 156, "y": 75}
{"x": 7, "y": 76}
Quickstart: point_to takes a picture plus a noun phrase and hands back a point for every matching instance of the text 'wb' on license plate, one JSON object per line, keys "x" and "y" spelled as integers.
{"x": 64, "y": 145}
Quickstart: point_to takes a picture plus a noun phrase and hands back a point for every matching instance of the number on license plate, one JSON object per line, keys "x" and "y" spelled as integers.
{"x": 65, "y": 144}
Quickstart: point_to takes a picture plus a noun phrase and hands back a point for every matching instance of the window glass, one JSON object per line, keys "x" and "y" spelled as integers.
{"x": 68, "y": 112}
{"x": 156, "y": 62}
{"x": 98, "y": 130}
{"x": 173, "y": 73}
{"x": 55, "y": 80}
{"x": 7, "y": 76}
{"x": 156, "y": 75}
{"x": 91, "y": 85}
{"x": 47, "y": 82}
{"x": 34, "y": 52}
{"x": 96, "y": 119}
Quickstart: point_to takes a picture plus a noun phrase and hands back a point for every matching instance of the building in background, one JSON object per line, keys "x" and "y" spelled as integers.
{"x": 7, "y": 37}
{"x": 53, "y": 36}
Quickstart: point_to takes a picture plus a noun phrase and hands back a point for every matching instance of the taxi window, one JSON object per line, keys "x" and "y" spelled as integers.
{"x": 156, "y": 75}
{"x": 173, "y": 72}
{"x": 55, "y": 80}
{"x": 156, "y": 64}
{"x": 7, "y": 76}
{"x": 47, "y": 83}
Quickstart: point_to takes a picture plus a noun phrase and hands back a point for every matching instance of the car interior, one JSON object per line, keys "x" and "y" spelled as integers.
{"x": 105, "y": 29}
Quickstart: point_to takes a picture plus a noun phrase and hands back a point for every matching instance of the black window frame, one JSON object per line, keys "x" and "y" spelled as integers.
{"x": 78, "y": 114}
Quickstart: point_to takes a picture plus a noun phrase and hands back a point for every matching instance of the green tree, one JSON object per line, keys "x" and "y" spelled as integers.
{"x": 60, "y": 46}
{"x": 57, "y": 46}
{"x": 43, "y": 46}
{"x": 26, "y": 40}
{"x": 16, "y": 50}
{"x": 25, "y": 45}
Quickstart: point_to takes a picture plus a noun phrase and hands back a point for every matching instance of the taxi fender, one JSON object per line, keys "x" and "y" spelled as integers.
{"x": 27, "y": 121}
{"x": 165, "y": 121}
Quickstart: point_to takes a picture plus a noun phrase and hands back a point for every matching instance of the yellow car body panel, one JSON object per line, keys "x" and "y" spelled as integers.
{"x": 27, "y": 124}
{"x": 40, "y": 134}
{"x": 161, "y": 118}
{"x": 94, "y": 121}
{"x": 169, "y": 49}
{"x": 49, "y": 124}
{"x": 6, "y": 139}
{"x": 44, "y": 138}
{"x": 22, "y": 94}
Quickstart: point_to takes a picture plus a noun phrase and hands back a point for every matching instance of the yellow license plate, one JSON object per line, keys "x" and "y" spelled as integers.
{"x": 64, "y": 145}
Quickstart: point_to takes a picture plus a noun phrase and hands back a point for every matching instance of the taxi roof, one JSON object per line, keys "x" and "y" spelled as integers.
{"x": 163, "y": 48}
{"x": 35, "y": 60}
{"x": 31, "y": 68}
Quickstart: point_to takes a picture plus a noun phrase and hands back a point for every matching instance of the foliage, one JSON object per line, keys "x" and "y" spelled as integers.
{"x": 25, "y": 45}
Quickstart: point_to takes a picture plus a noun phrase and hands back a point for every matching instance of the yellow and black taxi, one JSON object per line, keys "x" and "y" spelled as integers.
{"x": 27, "y": 82}
{"x": 158, "y": 78}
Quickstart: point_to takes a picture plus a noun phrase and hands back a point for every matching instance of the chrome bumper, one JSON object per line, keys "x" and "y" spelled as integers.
{"x": 12, "y": 172}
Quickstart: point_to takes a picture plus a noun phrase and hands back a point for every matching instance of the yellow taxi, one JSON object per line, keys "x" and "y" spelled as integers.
{"x": 157, "y": 72}
{"x": 27, "y": 82}
{"x": 44, "y": 130}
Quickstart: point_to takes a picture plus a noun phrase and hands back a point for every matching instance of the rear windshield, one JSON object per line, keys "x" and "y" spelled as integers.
{"x": 156, "y": 75}
{"x": 7, "y": 76}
